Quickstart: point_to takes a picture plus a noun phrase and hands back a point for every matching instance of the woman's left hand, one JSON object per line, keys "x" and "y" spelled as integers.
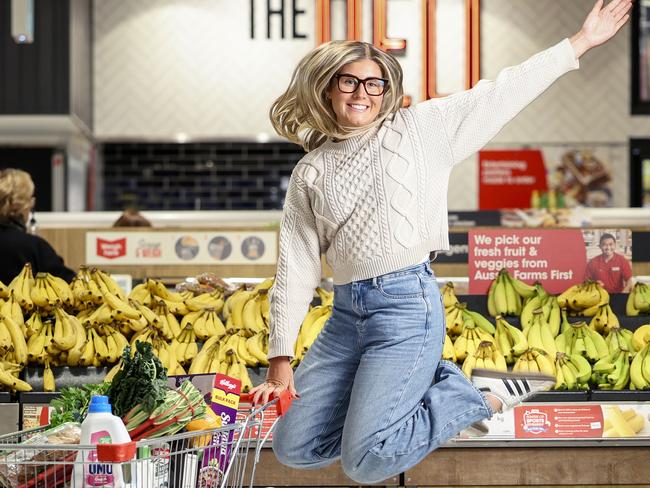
{"x": 602, "y": 23}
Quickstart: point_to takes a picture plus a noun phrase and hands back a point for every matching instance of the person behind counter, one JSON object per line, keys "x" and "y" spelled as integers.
{"x": 132, "y": 218}
{"x": 18, "y": 247}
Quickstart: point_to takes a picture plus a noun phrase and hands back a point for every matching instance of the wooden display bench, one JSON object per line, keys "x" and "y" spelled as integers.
{"x": 485, "y": 466}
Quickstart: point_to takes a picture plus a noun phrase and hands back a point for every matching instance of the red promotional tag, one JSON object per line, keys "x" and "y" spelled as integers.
{"x": 111, "y": 249}
{"x": 507, "y": 178}
{"x": 558, "y": 421}
{"x": 556, "y": 258}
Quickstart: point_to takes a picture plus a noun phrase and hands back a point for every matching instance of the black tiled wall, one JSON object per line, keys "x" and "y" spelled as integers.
{"x": 206, "y": 176}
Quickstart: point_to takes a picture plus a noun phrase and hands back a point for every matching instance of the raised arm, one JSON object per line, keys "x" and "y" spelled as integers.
{"x": 473, "y": 117}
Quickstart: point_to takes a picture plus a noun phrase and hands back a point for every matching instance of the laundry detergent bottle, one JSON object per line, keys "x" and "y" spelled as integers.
{"x": 100, "y": 427}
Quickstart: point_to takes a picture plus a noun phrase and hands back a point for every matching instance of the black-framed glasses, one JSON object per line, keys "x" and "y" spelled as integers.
{"x": 349, "y": 84}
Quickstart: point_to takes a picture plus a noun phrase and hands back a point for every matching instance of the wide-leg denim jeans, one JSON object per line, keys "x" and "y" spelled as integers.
{"x": 373, "y": 389}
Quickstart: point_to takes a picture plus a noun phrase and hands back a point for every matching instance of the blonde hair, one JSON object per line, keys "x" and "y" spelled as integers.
{"x": 303, "y": 114}
{"x": 16, "y": 193}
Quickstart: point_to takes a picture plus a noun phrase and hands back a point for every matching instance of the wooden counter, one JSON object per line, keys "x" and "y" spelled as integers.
{"x": 482, "y": 467}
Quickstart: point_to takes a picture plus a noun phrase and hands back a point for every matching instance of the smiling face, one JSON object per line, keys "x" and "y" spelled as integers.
{"x": 358, "y": 108}
{"x": 608, "y": 246}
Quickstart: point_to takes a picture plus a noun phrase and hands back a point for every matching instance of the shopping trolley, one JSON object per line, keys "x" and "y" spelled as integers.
{"x": 215, "y": 458}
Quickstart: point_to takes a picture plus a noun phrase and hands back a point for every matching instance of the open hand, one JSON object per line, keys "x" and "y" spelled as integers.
{"x": 602, "y": 23}
{"x": 278, "y": 379}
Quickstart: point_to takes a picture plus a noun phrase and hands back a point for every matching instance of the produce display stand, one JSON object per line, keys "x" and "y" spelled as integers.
{"x": 462, "y": 462}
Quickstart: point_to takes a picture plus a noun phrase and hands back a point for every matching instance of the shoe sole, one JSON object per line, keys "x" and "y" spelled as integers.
{"x": 490, "y": 373}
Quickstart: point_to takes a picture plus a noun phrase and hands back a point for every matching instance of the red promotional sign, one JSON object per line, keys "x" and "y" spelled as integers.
{"x": 556, "y": 258}
{"x": 558, "y": 421}
{"x": 111, "y": 249}
{"x": 507, "y": 178}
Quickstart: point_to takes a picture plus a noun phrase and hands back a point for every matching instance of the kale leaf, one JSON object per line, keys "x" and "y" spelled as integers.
{"x": 142, "y": 380}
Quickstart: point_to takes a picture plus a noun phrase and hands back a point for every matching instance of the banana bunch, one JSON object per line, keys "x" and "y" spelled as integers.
{"x": 584, "y": 299}
{"x": 48, "y": 378}
{"x": 454, "y": 318}
{"x": 486, "y": 356}
{"x": 213, "y": 299}
{"x": 539, "y": 334}
{"x": 620, "y": 339}
{"x": 640, "y": 338}
{"x": 233, "y": 308}
{"x": 549, "y": 306}
{"x": 640, "y": 369}
{"x": 612, "y": 372}
{"x": 510, "y": 340}
{"x": 151, "y": 292}
{"x": 208, "y": 359}
{"x": 622, "y": 423}
{"x": 4, "y": 291}
{"x": 12, "y": 310}
{"x": 161, "y": 348}
{"x": 33, "y": 325}
{"x": 604, "y": 320}
{"x": 237, "y": 369}
{"x": 113, "y": 310}
{"x": 638, "y": 301}
{"x": 167, "y": 356}
{"x": 572, "y": 372}
{"x": 448, "y": 295}
{"x": 85, "y": 290}
{"x": 9, "y": 377}
{"x": 448, "y": 351}
{"x": 506, "y": 293}
{"x": 469, "y": 339}
{"x": 12, "y": 338}
{"x": 535, "y": 361}
{"x": 580, "y": 339}
{"x": 205, "y": 323}
{"x": 258, "y": 346}
{"x": 185, "y": 346}
{"x": 257, "y": 313}
{"x": 311, "y": 326}
{"x": 49, "y": 290}
{"x": 459, "y": 315}
{"x": 229, "y": 355}
{"x": 238, "y": 344}
{"x": 168, "y": 322}
{"x": 21, "y": 287}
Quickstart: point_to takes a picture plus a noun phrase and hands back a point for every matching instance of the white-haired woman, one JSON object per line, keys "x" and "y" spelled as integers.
{"x": 371, "y": 195}
{"x": 17, "y": 247}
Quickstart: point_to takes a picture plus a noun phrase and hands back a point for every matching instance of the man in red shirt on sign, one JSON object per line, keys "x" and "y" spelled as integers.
{"x": 610, "y": 269}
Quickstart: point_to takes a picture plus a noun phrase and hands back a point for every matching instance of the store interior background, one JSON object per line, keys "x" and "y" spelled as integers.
{"x": 166, "y": 103}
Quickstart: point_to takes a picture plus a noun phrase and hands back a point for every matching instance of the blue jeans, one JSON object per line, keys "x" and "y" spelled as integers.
{"x": 373, "y": 389}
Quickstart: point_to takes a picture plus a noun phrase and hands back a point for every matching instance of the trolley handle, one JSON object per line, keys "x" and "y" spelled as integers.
{"x": 282, "y": 403}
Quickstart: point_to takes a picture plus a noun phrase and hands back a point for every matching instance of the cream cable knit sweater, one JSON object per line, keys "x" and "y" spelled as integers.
{"x": 378, "y": 202}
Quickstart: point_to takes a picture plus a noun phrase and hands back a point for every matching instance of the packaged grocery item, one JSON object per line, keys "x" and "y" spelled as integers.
{"x": 17, "y": 467}
{"x": 100, "y": 427}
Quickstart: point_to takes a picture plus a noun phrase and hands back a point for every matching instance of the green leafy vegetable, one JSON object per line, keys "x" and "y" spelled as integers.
{"x": 142, "y": 380}
{"x": 72, "y": 404}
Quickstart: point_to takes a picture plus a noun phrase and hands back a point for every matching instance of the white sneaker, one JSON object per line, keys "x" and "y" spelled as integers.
{"x": 511, "y": 388}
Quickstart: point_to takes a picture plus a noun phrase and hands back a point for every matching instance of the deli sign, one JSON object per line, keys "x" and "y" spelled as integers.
{"x": 111, "y": 249}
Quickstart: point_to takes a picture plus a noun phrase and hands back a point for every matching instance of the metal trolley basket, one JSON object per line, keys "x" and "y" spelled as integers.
{"x": 216, "y": 458}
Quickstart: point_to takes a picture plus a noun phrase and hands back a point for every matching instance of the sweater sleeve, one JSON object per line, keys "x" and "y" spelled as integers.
{"x": 473, "y": 117}
{"x": 298, "y": 270}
